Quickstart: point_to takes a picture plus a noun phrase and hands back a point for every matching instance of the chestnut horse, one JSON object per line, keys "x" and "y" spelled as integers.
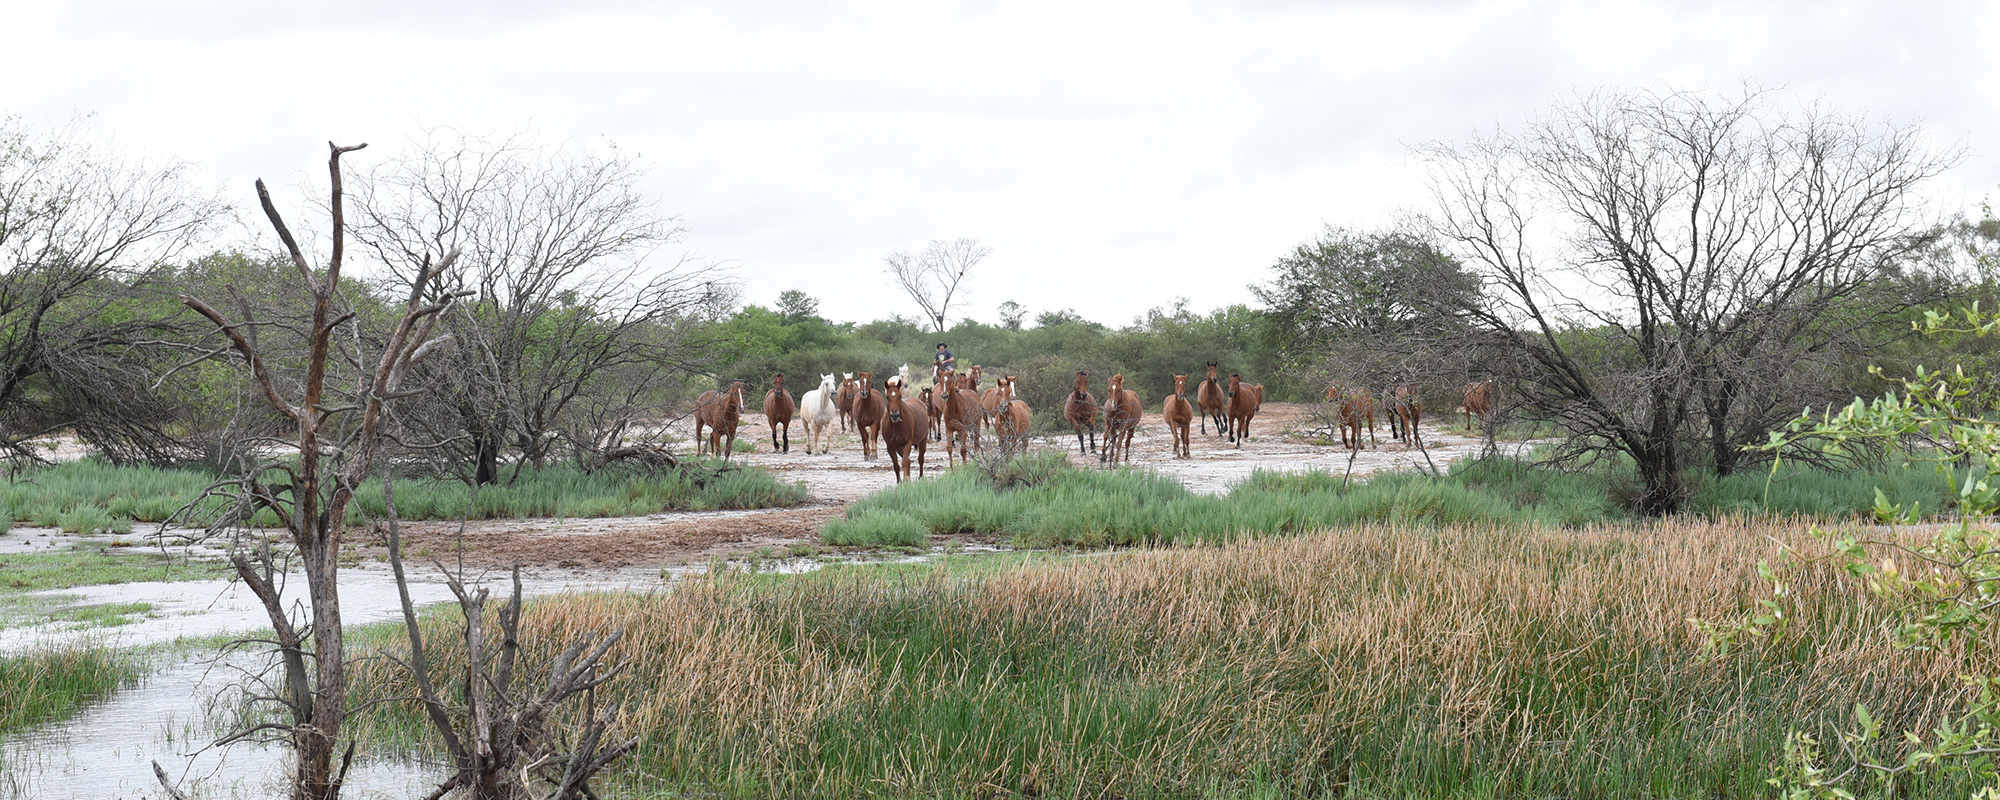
{"x": 1121, "y": 420}
{"x": 843, "y": 401}
{"x": 817, "y": 411}
{"x": 778, "y": 410}
{"x": 868, "y": 410}
{"x": 1081, "y": 410}
{"x": 906, "y": 425}
{"x": 1179, "y": 414}
{"x": 720, "y": 411}
{"x": 934, "y": 400}
{"x": 962, "y": 417}
{"x": 1244, "y": 400}
{"x": 1354, "y": 405}
{"x": 1406, "y": 409}
{"x": 1211, "y": 399}
{"x": 1478, "y": 400}
{"x": 1010, "y": 422}
{"x": 991, "y": 400}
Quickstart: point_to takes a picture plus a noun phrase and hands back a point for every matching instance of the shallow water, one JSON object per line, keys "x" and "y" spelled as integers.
{"x": 171, "y": 715}
{"x": 185, "y": 701}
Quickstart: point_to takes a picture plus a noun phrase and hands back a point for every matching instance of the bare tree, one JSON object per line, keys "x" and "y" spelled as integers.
{"x": 1679, "y": 269}
{"x": 81, "y": 231}
{"x": 339, "y": 437}
{"x": 506, "y": 734}
{"x": 932, "y": 278}
{"x": 557, "y": 247}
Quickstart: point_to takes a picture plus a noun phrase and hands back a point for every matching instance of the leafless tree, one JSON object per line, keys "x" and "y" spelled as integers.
{"x": 506, "y": 736}
{"x": 339, "y": 435}
{"x": 932, "y": 278}
{"x": 1679, "y": 269}
{"x": 81, "y": 229}
{"x": 557, "y": 245}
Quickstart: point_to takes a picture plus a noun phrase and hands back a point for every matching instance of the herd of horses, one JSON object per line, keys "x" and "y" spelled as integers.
{"x": 954, "y": 411}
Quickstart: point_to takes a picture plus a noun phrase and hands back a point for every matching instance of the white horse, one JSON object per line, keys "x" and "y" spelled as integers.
{"x": 904, "y": 373}
{"x": 818, "y": 412}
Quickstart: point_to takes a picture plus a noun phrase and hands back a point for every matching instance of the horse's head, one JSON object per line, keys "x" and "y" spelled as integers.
{"x": 826, "y": 384}
{"x": 894, "y": 395}
{"x": 1180, "y": 384}
{"x": 1211, "y": 370}
{"x": 736, "y": 394}
{"x": 863, "y": 382}
{"x": 1116, "y": 384}
{"x": 974, "y": 380}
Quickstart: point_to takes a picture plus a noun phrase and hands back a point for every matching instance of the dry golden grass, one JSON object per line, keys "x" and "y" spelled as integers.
{"x": 1375, "y": 661}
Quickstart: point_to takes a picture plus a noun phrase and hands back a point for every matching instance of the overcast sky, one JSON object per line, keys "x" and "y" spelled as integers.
{"x": 1113, "y": 156}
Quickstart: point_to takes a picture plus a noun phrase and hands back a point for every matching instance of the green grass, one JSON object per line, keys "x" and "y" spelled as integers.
{"x": 91, "y": 566}
{"x": 1040, "y": 501}
{"x": 92, "y": 495}
{"x": 43, "y": 686}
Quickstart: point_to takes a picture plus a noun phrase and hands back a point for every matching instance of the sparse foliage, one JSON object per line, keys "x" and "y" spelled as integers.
{"x": 340, "y": 434}
{"x": 933, "y": 277}
{"x": 568, "y": 307}
{"x": 1681, "y": 271}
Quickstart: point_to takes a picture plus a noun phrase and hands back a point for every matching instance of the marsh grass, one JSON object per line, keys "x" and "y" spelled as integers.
{"x": 92, "y": 495}
{"x": 1405, "y": 661}
{"x": 1039, "y": 500}
{"x": 51, "y": 684}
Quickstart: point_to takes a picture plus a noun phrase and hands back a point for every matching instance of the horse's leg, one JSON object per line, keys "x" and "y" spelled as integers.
{"x": 788, "y": 436}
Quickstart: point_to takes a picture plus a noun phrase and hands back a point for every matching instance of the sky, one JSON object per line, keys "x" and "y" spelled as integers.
{"x": 1113, "y": 156}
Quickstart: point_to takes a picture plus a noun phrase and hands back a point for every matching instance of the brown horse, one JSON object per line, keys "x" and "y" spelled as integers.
{"x": 1080, "y": 408}
{"x": 1354, "y": 404}
{"x": 1406, "y": 409}
{"x": 906, "y": 425}
{"x": 1210, "y": 398}
{"x": 962, "y": 417}
{"x": 843, "y": 400}
{"x": 1121, "y": 420}
{"x": 992, "y": 401}
{"x": 778, "y": 409}
{"x": 720, "y": 411}
{"x": 1478, "y": 400}
{"x": 1244, "y": 400}
{"x": 868, "y": 410}
{"x": 1179, "y": 414}
{"x": 1010, "y": 424}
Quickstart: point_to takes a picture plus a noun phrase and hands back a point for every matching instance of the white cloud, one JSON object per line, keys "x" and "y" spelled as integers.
{"x": 1115, "y": 155}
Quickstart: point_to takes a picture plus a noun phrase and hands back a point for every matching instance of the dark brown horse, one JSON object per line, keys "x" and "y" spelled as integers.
{"x": 778, "y": 410}
{"x": 1406, "y": 409}
{"x": 720, "y": 411}
{"x": 868, "y": 410}
{"x": 1244, "y": 400}
{"x": 907, "y": 424}
{"x": 1179, "y": 414}
{"x": 1210, "y": 398}
{"x": 1121, "y": 420}
{"x": 843, "y": 400}
{"x": 1080, "y": 408}
{"x": 962, "y": 417}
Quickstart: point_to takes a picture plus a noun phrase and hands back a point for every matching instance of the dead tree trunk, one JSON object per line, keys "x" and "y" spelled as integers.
{"x": 337, "y": 441}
